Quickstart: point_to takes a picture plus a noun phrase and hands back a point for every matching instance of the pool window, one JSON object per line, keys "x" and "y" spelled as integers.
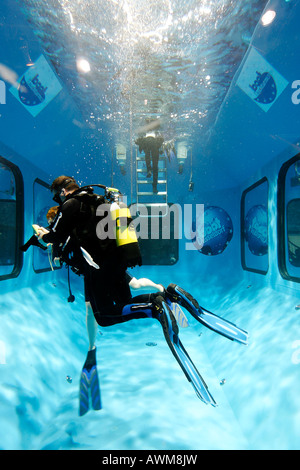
{"x": 289, "y": 220}
{"x": 254, "y": 228}
{"x": 11, "y": 219}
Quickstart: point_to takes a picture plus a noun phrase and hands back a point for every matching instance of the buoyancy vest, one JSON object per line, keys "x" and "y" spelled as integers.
{"x": 106, "y": 229}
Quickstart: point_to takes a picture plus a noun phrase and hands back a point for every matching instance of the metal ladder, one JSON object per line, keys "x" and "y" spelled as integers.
{"x": 144, "y": 189}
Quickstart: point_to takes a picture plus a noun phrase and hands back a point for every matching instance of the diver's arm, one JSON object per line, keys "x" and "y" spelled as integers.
{"x": 144, "y": 282}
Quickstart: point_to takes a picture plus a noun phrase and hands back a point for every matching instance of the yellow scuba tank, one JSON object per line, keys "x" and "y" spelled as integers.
{"x": 126, "y": 239}
{"x": 124, "y": 230}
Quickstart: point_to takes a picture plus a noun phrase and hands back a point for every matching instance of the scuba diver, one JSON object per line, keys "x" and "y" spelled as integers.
{"x": 151, "y": 144}
{"x": 103, "y": 257}
{"x": 89, "y": 381}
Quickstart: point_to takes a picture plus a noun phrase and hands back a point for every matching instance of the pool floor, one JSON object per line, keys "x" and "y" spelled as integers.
{"x": 147, "y": 402}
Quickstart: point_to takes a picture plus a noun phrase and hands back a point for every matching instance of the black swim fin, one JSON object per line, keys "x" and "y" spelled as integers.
{"x": 170, "y": 329}
{"x": 89, "y": 385}
{"x": 210, "y": 320}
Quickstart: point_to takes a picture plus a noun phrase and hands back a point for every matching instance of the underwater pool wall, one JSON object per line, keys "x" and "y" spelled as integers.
{"x": 33, "y": 196}
{"x": 257, "y": 197}
{"x": 256, "y": 132}
{"x": 248, "y": 139}
{"x": 277, "y": 222}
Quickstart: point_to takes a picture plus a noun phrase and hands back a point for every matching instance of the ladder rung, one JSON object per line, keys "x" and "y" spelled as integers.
{"x": 142, "y": 158}
{"x": 159, "y": 193}
{"x": 150, "y": 182}
{"x": 156, "y": 204}
{"x": 144, "y": 194}
{"x": 144, "y": 170}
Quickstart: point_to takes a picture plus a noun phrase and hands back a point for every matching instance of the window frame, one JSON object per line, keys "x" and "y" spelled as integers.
{"x": 242, "y": 236}
{"x": 19, "y": 182}
{"x": 281, "y": 219}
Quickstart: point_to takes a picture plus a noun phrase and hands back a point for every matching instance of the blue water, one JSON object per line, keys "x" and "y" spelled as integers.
{"x": 147, "y": 402}
{"x": 153, "y": 67}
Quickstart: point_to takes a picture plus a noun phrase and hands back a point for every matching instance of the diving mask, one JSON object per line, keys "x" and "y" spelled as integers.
{"x": 58, "y": 192}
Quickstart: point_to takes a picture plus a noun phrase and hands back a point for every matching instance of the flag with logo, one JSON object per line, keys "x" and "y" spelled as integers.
{"x": 37, "y": 87}
{"x": 261, "y": 81}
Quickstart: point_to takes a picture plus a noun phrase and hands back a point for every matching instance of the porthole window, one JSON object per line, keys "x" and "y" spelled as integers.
{"x": 254, "y": 228}
{"x": 289, "y": 219}
{"x": 11, "y": 219}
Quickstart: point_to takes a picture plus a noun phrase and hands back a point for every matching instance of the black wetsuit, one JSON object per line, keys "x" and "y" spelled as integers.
{"x": 107, "y": 288}
{"x": 151, "y": 145}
